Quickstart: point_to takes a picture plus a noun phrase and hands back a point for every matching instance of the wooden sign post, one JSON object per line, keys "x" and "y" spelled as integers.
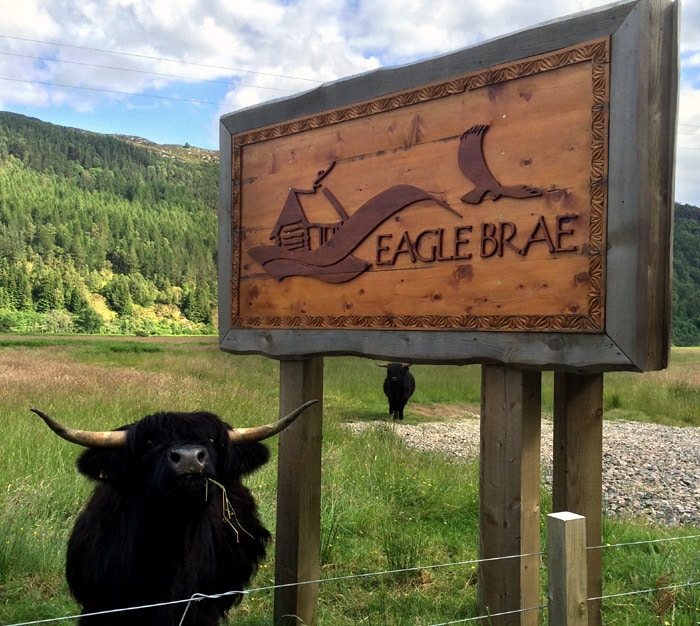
{"x": 578, "y": 466}
{"x": 509, "y": 486}
{"x": 298, "y": 533}
{"x": 508, "y": 204}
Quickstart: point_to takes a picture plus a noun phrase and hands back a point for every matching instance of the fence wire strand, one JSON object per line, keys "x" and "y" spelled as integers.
{"x": 490, "y": 615}
{"x": 642, "y": 591}
{"x": 641, "y": 543}
{"x": 197, "y": 597}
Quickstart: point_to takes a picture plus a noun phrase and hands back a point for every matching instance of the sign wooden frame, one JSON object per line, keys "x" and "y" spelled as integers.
{"x": 605, "y": 306}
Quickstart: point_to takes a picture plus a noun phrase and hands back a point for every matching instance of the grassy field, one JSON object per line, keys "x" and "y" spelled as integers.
{"x": 384, "y": 506}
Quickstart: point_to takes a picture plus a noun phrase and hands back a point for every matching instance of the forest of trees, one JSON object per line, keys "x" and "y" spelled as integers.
{"x": 100, "y": 234}
{"x": 685, "y": 326}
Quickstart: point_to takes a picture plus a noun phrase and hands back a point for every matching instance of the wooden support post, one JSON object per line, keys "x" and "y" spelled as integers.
{"x": 298, "y": 536}
{"x": 566, "y": 563}
{"x": 509, "y": 484}
{"x": 577, "y": 484}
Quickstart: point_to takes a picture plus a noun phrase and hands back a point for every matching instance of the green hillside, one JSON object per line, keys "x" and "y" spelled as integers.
{"x": 105, "y": 234}
{"x": 685, "y": 328}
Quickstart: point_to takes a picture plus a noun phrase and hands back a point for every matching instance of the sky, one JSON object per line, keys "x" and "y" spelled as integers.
{"x": 167, "y": 70}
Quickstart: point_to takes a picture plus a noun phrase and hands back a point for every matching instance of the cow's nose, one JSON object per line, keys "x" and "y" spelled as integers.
{"x": 189, "y": 459}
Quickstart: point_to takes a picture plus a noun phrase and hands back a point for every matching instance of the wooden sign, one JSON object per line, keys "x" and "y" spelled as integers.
{"x": 455, "y": 210}
{"x": 476, "y": 203}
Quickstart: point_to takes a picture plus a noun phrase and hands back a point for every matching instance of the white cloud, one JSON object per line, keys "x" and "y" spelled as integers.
{"x": 27, "y": 18}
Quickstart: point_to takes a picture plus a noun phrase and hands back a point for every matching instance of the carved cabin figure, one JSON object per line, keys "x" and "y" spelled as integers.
{"x": 292, "y": 229}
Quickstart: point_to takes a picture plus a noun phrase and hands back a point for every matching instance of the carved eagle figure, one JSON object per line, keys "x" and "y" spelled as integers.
{"x": 473, "y": 165}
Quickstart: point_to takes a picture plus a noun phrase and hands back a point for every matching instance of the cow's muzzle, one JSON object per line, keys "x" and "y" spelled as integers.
{"x": 189, "y": 459}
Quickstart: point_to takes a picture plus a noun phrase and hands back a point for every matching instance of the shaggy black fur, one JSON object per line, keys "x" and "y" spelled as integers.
{"x": 154, "y": 532}
{"x": 399, "y": 386}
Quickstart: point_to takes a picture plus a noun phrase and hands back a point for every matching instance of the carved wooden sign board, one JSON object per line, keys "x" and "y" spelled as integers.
{"x": 452, "y": 210}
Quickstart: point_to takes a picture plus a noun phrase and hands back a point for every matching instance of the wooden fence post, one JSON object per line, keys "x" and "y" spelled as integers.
{"x": 509, "y": 485}
{"x": 298, "y": 534}
{"x": 567, "y": 565}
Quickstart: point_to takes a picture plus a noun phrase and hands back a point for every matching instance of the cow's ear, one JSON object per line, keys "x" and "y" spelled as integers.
{"x": 245, "y": 457}
{"x": 101, "y": 463}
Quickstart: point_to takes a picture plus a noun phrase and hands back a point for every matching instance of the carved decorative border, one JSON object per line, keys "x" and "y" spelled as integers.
{"x": 597, "y": 53}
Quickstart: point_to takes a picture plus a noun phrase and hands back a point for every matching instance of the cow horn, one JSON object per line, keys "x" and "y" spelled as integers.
{"x": 258, "y": 433}
{"x": 88, "y": 438}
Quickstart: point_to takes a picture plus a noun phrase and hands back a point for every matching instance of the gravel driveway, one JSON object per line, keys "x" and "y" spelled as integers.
{"x": 649, "y": 471}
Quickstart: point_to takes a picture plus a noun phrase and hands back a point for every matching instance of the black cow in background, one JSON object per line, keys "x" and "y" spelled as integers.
{"x": 399, "y": 386}
{"x": 169, "y": 518}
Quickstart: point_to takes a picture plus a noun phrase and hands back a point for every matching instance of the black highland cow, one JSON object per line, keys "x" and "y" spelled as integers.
{"x": 399, "y": 386}
{"x": 168, "y": 518}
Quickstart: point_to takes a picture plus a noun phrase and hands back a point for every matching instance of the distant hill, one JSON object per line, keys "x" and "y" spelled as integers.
{"x": 186, "y": 153}
{"x": 116, "y": 234}
{"x": 685, "y": 328}
{"x": 104, "y": 234}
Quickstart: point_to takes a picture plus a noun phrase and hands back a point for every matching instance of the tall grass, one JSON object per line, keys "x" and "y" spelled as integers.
{"x": 385, "y": 508}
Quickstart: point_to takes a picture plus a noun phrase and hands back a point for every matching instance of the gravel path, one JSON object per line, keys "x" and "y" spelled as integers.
{"x": 649, "y": 471}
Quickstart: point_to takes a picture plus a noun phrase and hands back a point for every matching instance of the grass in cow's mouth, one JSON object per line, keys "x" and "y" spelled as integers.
{"x": 229, "y": 511}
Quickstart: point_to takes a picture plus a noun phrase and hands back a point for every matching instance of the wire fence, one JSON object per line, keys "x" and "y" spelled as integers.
{"x": 692, "y": 583}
